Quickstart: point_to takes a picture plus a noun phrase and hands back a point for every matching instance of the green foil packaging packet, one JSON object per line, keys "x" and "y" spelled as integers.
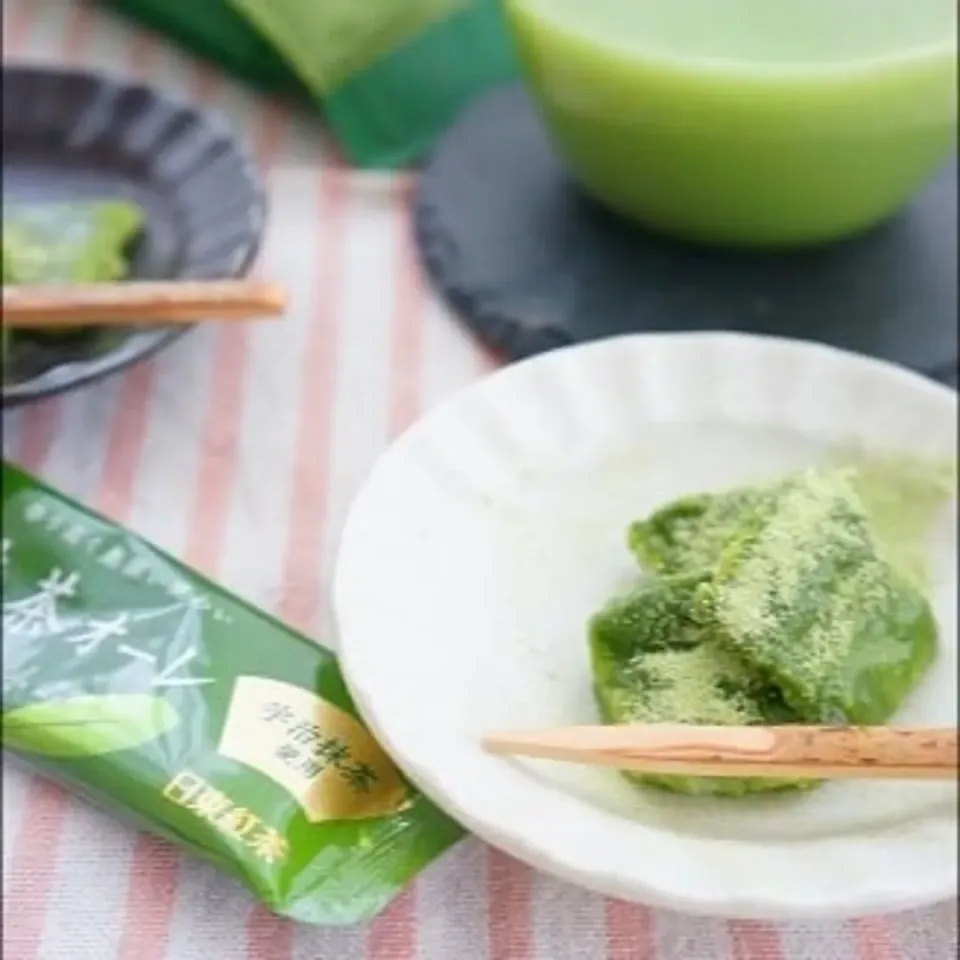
{"x": 213, "y": 30}
{"x": 154, "y": 692}
{"x": 391, "y": 75}
{"x": 388, "y": 76}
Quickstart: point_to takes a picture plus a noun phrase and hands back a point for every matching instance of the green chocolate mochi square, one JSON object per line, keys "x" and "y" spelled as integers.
{"x": 82, "y": 242}
{"x": 653, "y": 663}
{"x": 804, "y": 595}
{"x": 688, "y": 535}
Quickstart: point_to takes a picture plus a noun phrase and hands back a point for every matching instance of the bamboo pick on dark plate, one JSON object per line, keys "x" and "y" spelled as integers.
{"x": 136, "y": 303}
{"x": 881, "y": 753}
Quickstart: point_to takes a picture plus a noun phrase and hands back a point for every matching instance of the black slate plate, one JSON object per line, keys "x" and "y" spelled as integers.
{"x": 73, "y": 135}
{"x": 530, "y": 263}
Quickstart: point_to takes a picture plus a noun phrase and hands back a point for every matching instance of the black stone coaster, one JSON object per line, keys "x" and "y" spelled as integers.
{"x": 529, "y": 263}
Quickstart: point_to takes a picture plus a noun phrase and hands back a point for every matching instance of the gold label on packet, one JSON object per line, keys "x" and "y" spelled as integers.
{"x": 317, "y": 752}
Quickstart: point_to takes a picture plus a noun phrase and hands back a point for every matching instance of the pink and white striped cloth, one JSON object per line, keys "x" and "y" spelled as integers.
{"x": 239, "y": 449}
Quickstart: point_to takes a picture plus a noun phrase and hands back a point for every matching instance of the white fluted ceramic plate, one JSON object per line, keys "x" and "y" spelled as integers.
{"x": 489, "y": 533}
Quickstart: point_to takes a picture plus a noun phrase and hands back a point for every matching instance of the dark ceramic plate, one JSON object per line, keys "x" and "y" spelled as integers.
{"x": 529, "y": 263}
{"x": 73, "y": 135}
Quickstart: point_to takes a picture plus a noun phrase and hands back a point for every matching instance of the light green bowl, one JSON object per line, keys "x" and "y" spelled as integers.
{"x": 745, "y": 122}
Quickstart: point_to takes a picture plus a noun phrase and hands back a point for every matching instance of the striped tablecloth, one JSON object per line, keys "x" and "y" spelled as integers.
{"x": 239, "y": 449}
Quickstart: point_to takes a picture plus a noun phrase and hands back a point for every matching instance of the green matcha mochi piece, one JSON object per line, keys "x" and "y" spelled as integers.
{"x": 804, "y": 594}
{"x": 82, "y": 242}
{"x": 900, "y": 494}
{"x": 687, "y": 536}
{"x": 653, "y": 663}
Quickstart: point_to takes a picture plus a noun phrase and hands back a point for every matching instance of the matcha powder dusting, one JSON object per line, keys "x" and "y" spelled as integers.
{"x": 798, "y": 600}
{"x": 903, "y": 496}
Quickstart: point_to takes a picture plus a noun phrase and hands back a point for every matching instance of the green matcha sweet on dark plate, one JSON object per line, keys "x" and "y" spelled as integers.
{"x": 81, "y": 242}
{"x": 57, "y": 243}
{"x": 152, "y": 691}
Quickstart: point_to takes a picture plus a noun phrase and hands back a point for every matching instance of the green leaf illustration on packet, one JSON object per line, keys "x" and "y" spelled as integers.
{"x": 150, "y": 690}
{"x": 86, "y": 726}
